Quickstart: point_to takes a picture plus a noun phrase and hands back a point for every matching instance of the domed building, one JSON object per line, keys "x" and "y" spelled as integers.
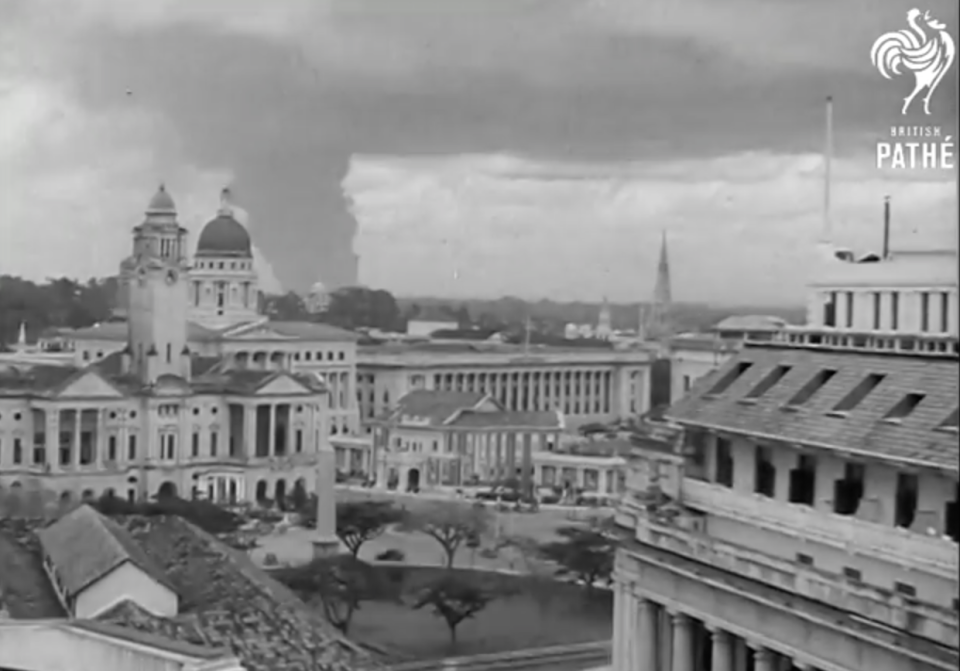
{"x": 223, "y": 288}
{"x": 318, "y": 298}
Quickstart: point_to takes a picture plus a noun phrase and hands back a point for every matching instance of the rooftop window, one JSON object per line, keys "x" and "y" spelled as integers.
{"x": 950, "y": 423}
{"x": 768, "y": 382}
{"x": 729, "y": 378}
{"x": 858, "y": 393}
{"x": 815, "y": 384}
{"x": 904, "y": 407}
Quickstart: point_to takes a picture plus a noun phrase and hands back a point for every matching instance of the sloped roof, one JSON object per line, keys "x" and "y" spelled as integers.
{"x": 507, "y": 419}
{"x": 750, "y": 323}
{"x": 226, "y": 601}
{"x": 916, "y": 438}
{"x": 84, "y": 546}
{"x": 312, "y": 331}
{"x": 435, "y": 406}
{"x": 17, "y": 380}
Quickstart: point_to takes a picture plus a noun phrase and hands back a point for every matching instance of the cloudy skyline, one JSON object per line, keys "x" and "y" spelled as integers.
{"x": 704, "y": 118}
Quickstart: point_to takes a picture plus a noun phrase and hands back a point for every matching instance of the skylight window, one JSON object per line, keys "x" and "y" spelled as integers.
{"x": 950, "y": 423}
{"x": 729, "y": 378}
{"x": 858, "y": 393}
{"x": 815, "y": 384}
{"x": 904, "y": 407}
{"x": 768, "y": 382}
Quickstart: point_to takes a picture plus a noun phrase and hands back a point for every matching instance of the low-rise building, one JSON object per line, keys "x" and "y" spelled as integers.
{"x": 97, "y": 594}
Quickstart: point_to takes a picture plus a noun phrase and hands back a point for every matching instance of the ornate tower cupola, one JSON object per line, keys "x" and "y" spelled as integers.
{"x": 155, "y": 288}
{"x": 223, "y": 288}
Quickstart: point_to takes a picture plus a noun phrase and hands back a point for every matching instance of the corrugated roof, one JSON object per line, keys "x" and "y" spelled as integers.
{"x": 84, "y": 546}
{"x": 916, "y": 438}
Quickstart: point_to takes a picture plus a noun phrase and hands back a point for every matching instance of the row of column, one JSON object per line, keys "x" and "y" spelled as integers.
{"x": 251, "y": 426}
{"x": 650, "y": 637}
{"x": 575, "y": 392}
{"x": 590, "y": 479}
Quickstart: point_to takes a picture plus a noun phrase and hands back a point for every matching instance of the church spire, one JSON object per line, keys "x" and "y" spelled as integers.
{"x": 655, "y": 320}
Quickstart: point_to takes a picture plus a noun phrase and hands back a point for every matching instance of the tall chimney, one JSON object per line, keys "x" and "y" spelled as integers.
{"x": 886, "y": 228}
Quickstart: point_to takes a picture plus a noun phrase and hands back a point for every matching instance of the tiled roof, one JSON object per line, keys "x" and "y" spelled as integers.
{"x": 437, "y": 406}
{"x": 312, "y": 331}
{"x": 916, "y": 438}
{"x": 85, "y": 546}
{"x": 226, "y": 601}
{"x": 119, "y": 331}
{"x": 507, "y": 419}
{"x": 25, "y": 590}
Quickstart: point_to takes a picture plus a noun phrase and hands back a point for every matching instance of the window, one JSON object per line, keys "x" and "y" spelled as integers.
{"x": 298, "y": 440}
{"x": 904, "y": 407}
{"x": 894, "y": 310}
{"x": 848, "y": 491}
{"x": 17, "y": 451}
{"x": 904, "y": 589}
{"x": 729, "y": 378}
{"x": 877, "y": 297}
{"x": 132, "y": 448}
{"x": 195, "y": 445}
{"x": 849, "y": 309}
{"x": 945, "y": 312}
{"x": 906, "y": 502}
{"x": 924, "y": 311}
{"x": 765, "y": 474}
{"x": 806, "y": 560}
{"x": 852, "y": 574}
{"x": 814, "y": 385}
{"x": 803, "y": 480}
{"x": 687, "y": 383}
{"x": 860, "y": 392}
{"x": 213, "y": 443}
{"x": 724, "y": 463}
{"x": 112, "y": 448}
{"x": 767, "y": 383}
{"x": 169, "y": 353}
{"x": 830, "y": 310}
{"x": 950, "y": 423}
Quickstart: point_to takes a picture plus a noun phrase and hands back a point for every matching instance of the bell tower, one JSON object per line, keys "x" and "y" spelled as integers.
{"x": 155, "y": 282}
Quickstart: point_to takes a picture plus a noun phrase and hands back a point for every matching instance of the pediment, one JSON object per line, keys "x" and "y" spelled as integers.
{"x": 283, "y": 385}
{"x": 89, "y": 385}
{"x": 487, "y": 405}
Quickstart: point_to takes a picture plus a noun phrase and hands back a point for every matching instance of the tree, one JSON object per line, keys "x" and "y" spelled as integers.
{"x": 455, "y": 598}
{"x": 299, "y": 499}
{"x": 539, "y": 573}
{"x": 356, "y": 307}
{"x": 286, "y": 307}
{"x": 451, "y": 524}
{"x": 585, "y": 553}
{"x": 341, "y": 583}
{"x": 362, "y": 521}
{"x": 205, "y": 514}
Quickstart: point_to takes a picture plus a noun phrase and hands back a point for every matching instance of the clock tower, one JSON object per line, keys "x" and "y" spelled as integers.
{"x": 154, "y": 281}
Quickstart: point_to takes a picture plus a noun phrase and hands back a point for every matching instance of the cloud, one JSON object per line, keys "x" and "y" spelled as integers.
{"x": 74, "y": 181}
{"x": 741, "y": 228}
{"x": 266, "y": 275}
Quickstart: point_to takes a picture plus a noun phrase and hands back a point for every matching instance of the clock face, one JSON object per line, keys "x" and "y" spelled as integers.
{"x": 171, "y": 277}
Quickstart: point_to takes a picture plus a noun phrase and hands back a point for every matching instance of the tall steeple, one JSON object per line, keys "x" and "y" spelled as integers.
{"x": 655, "y": 321}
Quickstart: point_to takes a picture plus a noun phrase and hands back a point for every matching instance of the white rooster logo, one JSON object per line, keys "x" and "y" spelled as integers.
{"x": 929, "y": 57}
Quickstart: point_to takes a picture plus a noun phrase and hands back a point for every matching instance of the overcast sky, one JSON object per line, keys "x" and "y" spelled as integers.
{"x": 527, "y": 147}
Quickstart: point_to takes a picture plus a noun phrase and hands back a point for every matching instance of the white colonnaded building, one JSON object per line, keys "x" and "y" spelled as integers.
{"x": 807, "y": 516}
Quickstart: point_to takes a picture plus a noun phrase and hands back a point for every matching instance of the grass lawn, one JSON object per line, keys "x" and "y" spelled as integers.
{"x": 537, "y": 613}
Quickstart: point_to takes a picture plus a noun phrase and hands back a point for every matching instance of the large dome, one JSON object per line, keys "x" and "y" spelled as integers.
{"x": 224, "y": 236}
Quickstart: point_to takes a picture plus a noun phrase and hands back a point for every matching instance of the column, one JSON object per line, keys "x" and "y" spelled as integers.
{"x": 271, "y": 428}
{"x": 664, "y": 640}
{"x": 683, "y": 643}
{"x": 52, "y": 431}
{"x": 291, "y": 431}
{"x": 589, "y": 378}
{"x": 249, "y": 446}
{"x": 630, "y": 628}
{"x": 763, "y": 659}
{"x": 722, "y": 653}
{"x": 647, "y": 638}
{"x": 99, "y": 443}
{"x": 77, "y": 415}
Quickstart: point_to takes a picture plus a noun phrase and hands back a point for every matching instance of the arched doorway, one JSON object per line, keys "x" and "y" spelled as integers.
{"x": 261, "y": 491}
{"x": 413, "y": 480}
{"x": 280, "y": 494}
{"x": 65, "y": 497}
{"x": 167, "y": 490}
{"x": 88, "y": 495}
{"x": 393, "y": 479}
